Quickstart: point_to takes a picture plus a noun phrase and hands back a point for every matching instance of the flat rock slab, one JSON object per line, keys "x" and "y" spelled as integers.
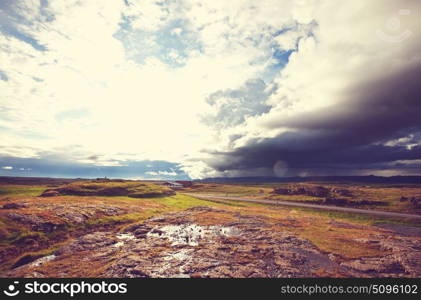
{"x": 185, "y": 244}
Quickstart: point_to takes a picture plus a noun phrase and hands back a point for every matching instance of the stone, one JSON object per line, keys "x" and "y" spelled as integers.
{"x": 14, "y": 206}
{"x": 50, "y": 193}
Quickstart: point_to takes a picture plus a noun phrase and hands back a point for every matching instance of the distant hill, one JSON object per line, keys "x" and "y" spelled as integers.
{"x": 343, "y": 179}
{"x": 36, "y": 180}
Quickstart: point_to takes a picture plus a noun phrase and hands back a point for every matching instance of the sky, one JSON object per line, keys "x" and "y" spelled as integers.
{"x": 194, "y": 89}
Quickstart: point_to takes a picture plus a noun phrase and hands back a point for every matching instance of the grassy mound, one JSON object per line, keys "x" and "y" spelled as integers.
{"x": 111, "y": 188}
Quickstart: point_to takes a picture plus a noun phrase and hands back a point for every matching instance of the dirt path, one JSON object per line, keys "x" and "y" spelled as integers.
{"x": 306, "y": 205}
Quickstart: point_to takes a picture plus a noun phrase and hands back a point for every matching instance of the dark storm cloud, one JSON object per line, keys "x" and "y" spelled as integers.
{"x": 352, "y": 134}
{"x": 382, "y": 109}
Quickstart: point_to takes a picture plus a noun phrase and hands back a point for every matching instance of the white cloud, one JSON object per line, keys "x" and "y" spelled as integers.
{"x": 7, "y": 168}
{"x": 340, "y": 56}
{"x": 151, "y": 108}
{"x": 152, "y": 173}
{"x": 198, "y": 169}
{"x": 289, "y": 39}
{"x": 148, "y": 15}
{"x": 162, "y": 173}
{"x": 342, "y": 51}
{"x": 177, "y": 31}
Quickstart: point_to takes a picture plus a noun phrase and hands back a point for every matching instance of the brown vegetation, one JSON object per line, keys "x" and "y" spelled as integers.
{"x": 181, "y": 236}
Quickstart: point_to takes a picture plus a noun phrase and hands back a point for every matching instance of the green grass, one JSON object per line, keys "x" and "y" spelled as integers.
{"x": 177, "y": 202}
{"x": 32, "y": 256}
{"x": 21, "y": 239}
{"x": 95, "y": 186}
{"x": 25, "y": 236}
{"x": 295, "y": 198}
{"x": 16, "y": 235}
{"x": 134, "y": 189}
{"x": 357, "y": 218}
{"x": 169, "y": 204}
{"x": 237, "y": 203}
{"x": 12, "y": 191}
{"x": 380, "y": 196}
{"x": 115, "y": 220}
{"x": 361, "y": 218}
{"x": 181, "y": 202}
{"x": 225, "y": 189}
{"x": 12, "y": 232}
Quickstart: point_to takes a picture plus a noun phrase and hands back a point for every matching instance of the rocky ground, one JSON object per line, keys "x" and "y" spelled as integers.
{"x": 32, "y": 224}
{"x": 225, "y": 241}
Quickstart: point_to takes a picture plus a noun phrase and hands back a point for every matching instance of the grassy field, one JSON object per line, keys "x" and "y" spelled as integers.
{"x": 227, "y": 189}
{"x": 132, "y": 189}
{"x": 21, "y": 239}
{"x": 16, "y": 191}
{"x": 380, "y": 197}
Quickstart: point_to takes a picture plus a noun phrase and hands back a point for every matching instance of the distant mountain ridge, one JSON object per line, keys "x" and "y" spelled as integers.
{"x": 356, "y": 179}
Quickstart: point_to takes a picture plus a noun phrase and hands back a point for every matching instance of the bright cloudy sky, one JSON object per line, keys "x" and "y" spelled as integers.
{"x": 194, "y": 89}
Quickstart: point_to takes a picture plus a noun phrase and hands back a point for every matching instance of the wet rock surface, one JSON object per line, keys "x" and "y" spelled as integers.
{"x": 186, "y": 244}
{"x": 242, "y": 249}
{"x": 59, "y": 214}
{"x": 42, "y": 223}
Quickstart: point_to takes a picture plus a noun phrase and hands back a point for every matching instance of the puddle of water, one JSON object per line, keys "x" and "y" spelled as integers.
{"x": 118, "y": 244}
{"x": 190, "y": 234}
{"x": 183, "y": 254}
{"x": 43, "y": 260}
{"x": 175, "y": 263}
{"x": 181, "y": 276}
{"x": 126, "y": 236}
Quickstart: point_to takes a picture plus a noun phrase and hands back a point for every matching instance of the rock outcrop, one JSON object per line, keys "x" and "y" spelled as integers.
{"x": 185, "y": 244}
{"x": 14, "y": 205}
{"x": 315, "y": 191}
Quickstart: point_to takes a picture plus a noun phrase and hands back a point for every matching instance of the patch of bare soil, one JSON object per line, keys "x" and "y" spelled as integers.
{"x": 186, "y": 244}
